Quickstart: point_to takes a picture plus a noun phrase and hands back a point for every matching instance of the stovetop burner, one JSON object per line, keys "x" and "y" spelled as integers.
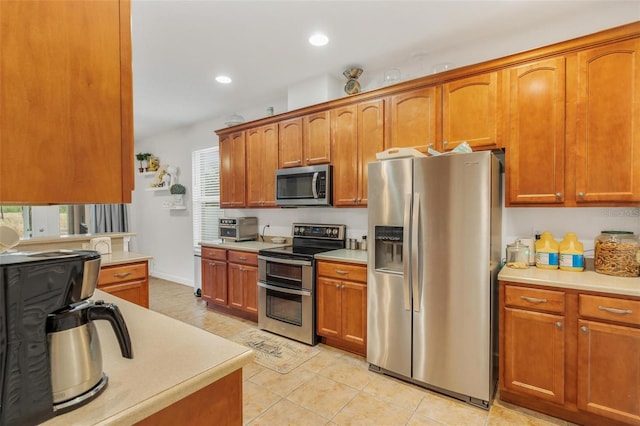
{"x": 310, "y": 239}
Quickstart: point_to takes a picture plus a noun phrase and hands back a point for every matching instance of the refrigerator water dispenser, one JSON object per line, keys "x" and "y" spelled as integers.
{"x": 388, "y": 249}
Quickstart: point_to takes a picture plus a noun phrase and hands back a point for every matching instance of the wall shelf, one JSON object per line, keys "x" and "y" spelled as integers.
{"x": 146, "y": 173}
{"x": 154, "y": 189}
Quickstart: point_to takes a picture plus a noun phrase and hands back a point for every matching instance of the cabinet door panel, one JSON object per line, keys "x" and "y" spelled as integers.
{"x": 262, "y": 163}
{"x": 250, "y": 289}
{"x": 316, "y": 138}
{"x": 66, "y": 91}
{"x": 608, "y": 123}
{"x": 370, "y": 140}
{"x": 354, "y": 317}
{"x": 609, "y": 370}
{"x": 414, "y": 119}
{"x": 470, "y": 112}
{"x": 536, "y": 141}
{"x": 232, "y": 170}
{"x": 214, "y": 281}
{"x": 328, "y": 307}
{"x": 134, "y": 291}
{"x": 290, "y": 143}
{"x": 236, "y": 281}
{"x": 534, "y": 354}
{"x": 345, "y": 147}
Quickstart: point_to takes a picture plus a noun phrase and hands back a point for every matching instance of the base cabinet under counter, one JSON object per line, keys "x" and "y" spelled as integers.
{"x": 229, "y": 281}
{"x": 128, "y": 281}
{"x": 570, "y": 354}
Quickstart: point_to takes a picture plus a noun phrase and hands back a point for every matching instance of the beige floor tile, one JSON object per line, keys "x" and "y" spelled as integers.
{"x": 365, "y": 409}
{"x": 286, "y": 413}
{"x": 256, "y": 400}
{"x": 395, "y": 391}
{"x": 450, "y": 411}
{"x": 417, "y": 420}
{"x": 501, "y": 416}
{"x": 350, "y": 371}
{"x": 324, "y": 359}
{"x": 546, "y": 420}
{"x": 323, "y": 396}
{"x": 282, "y": 384}
{"x": 251, "y": 370}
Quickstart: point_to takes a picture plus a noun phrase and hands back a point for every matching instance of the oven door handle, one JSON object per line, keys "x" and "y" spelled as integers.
{"x": 284, "y": 290}
{"x": 285, "y": 261}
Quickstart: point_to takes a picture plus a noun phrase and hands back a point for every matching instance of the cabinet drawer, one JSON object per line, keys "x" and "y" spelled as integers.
{"x": 243, "y": 257}
{"x": 343, "y": 271}
{"x": 610, "y": 308}
{"x": 214, "y": 253}
{"x": 534, "y": 298}
{"x": 122, "y": 273}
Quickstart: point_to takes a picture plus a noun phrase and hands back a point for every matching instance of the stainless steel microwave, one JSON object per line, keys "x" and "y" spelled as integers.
{"x": 304, "y": 186}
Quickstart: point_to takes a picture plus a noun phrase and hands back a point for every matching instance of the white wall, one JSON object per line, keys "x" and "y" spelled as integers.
{"x": 167, "y": 235}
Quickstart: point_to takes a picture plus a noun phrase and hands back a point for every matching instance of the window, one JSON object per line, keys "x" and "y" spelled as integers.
{"x": 206, "y": 194}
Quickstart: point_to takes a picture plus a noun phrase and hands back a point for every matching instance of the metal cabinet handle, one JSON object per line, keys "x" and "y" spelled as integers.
{"x": 341, "y": 272}
{"x": 533, "y": 299}
{"x": 445, "y": 143}
{"x": 615, "y": 311}
{"x": 242, "y": 258}
{"x": 213, "y": 265}
{"x": 122, "y": 274}
{"x": 354, "y": 199}
{"x": 342, "y": 287}
{"x": 558, "y": 195}
{"x": 299, "y": 161}
{"x": 581, "y": 194}
{"x": 306, "y": 159}
{"x": 559, "y": 324}
{"x": 337, "y": 285}
{"x": 584, "y": 329}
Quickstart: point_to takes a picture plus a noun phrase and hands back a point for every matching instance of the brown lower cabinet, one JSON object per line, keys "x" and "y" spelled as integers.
{"x": 570, "y": 354}
{"x": 229, "y": 281}
{"x": 129, "y": 281}
{"x": 341, "y": 300}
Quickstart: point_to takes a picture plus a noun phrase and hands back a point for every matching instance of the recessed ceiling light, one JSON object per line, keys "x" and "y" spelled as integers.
{"x": 223, "y": 79}
{"x": 318, "y": 39}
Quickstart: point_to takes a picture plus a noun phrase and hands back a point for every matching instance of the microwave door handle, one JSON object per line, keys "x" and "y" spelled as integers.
{"x": 314, "y": 185}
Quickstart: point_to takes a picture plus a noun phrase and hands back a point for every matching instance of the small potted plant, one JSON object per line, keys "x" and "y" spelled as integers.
{"x": 141, "y": 157}
{"x": 178, "y": 191}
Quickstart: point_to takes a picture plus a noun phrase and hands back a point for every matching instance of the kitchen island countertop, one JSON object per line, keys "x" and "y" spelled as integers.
{"x": 172, "y": 360}
{"x": 588, "y": 280}
{"x": 344, "y": 255}
{"x": 122, "y": 257}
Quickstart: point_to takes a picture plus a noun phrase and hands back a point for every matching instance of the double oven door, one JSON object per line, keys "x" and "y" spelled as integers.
{"x": 286, "y": 300}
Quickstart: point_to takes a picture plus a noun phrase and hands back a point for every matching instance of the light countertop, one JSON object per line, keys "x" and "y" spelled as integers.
{"x": 252, "y": 246}
{"x": 122, "y": 257}
{"x": 588, "y": 280}
{"x": 344, "y": 255}
{"x": 171, "y": 361}
{"x": 73, "y": 237}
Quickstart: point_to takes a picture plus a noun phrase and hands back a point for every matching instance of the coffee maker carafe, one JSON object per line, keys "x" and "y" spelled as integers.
{"x": 50, "y": 356}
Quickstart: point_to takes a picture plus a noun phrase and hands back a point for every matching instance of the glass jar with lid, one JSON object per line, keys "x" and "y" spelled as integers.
{"x": 617, "y": 253}
{"x": 518, "y": 255}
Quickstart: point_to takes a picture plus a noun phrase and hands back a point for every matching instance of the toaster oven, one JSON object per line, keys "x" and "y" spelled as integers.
{"x": 238, "y": 228}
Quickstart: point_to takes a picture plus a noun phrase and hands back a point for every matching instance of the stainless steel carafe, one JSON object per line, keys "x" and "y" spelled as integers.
{"x": 75, "y": 353}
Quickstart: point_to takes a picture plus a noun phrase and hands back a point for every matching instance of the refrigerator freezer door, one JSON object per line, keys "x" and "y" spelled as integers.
{"x": 451, "y": 348}
{"x": 388, "y": 319}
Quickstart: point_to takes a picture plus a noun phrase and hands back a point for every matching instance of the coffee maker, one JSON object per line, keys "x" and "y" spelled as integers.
{"x": 50, "y": 355}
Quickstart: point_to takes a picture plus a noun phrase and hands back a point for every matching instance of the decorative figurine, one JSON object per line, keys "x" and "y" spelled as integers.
{"x": 352, "y": 86}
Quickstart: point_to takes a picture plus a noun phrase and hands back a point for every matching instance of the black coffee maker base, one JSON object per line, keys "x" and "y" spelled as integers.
{"x": 78, "y": 401}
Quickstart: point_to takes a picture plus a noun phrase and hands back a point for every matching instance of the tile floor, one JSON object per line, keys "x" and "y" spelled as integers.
{"x": 334, "y": 387}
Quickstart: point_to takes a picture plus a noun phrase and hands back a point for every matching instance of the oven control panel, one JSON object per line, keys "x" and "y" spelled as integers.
{"x": 308, "y": 230}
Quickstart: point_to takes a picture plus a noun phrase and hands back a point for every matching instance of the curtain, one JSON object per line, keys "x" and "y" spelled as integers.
{"x": 109, "y": 218}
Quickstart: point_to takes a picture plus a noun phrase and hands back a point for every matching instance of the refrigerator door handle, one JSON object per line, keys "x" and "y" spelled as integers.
{"x": 405, "y": 252}
{"x": 414, "y": 252}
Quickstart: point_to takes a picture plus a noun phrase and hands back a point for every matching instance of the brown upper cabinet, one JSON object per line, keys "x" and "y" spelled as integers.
{"x": 232, "y": 170}
{"x": 607, "y": 135}
{"x": 262, "y": 163}
{"x": 358, "y": 134}
{"x": 536, "y": 133}
{"x": 305, "y": 141}
{"x": 66, "y": 95}
{"x": 415, "y": 118}
{"x": 471, "y": 112}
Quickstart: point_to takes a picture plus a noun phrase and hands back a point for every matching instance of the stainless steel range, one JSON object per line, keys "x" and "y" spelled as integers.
{"x": 287, "y": 281}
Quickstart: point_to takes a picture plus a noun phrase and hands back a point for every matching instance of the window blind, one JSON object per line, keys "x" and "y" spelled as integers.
{"x": 206, "y": 194}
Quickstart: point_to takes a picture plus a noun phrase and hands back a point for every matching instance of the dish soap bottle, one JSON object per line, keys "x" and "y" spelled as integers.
{"x": 571, "y": 253}
{"x": 547, "y": 252}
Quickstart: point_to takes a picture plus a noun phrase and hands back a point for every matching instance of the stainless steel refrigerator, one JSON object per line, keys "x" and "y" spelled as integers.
{"x": 435, "y": 225}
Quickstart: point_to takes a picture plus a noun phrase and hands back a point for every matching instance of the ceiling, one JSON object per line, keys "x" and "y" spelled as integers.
{"x": 179, "y": 46}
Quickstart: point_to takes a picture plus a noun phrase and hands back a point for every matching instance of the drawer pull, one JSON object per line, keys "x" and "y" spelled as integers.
{"x": 533, "y": 299}
{"x": 122, "y": 274}
{"x": 584, "y": 329}
{"x": 615, "y": 311}
{"x": 242, "y": 258}
{"x": 559, "y": 324}
{"x": 213, "y": 265}
{"x": 341, "y": 272}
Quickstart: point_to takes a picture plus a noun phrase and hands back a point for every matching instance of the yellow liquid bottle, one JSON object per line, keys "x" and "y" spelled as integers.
{"x": 571, "y": 253}
{"x": 547, "y": 252}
